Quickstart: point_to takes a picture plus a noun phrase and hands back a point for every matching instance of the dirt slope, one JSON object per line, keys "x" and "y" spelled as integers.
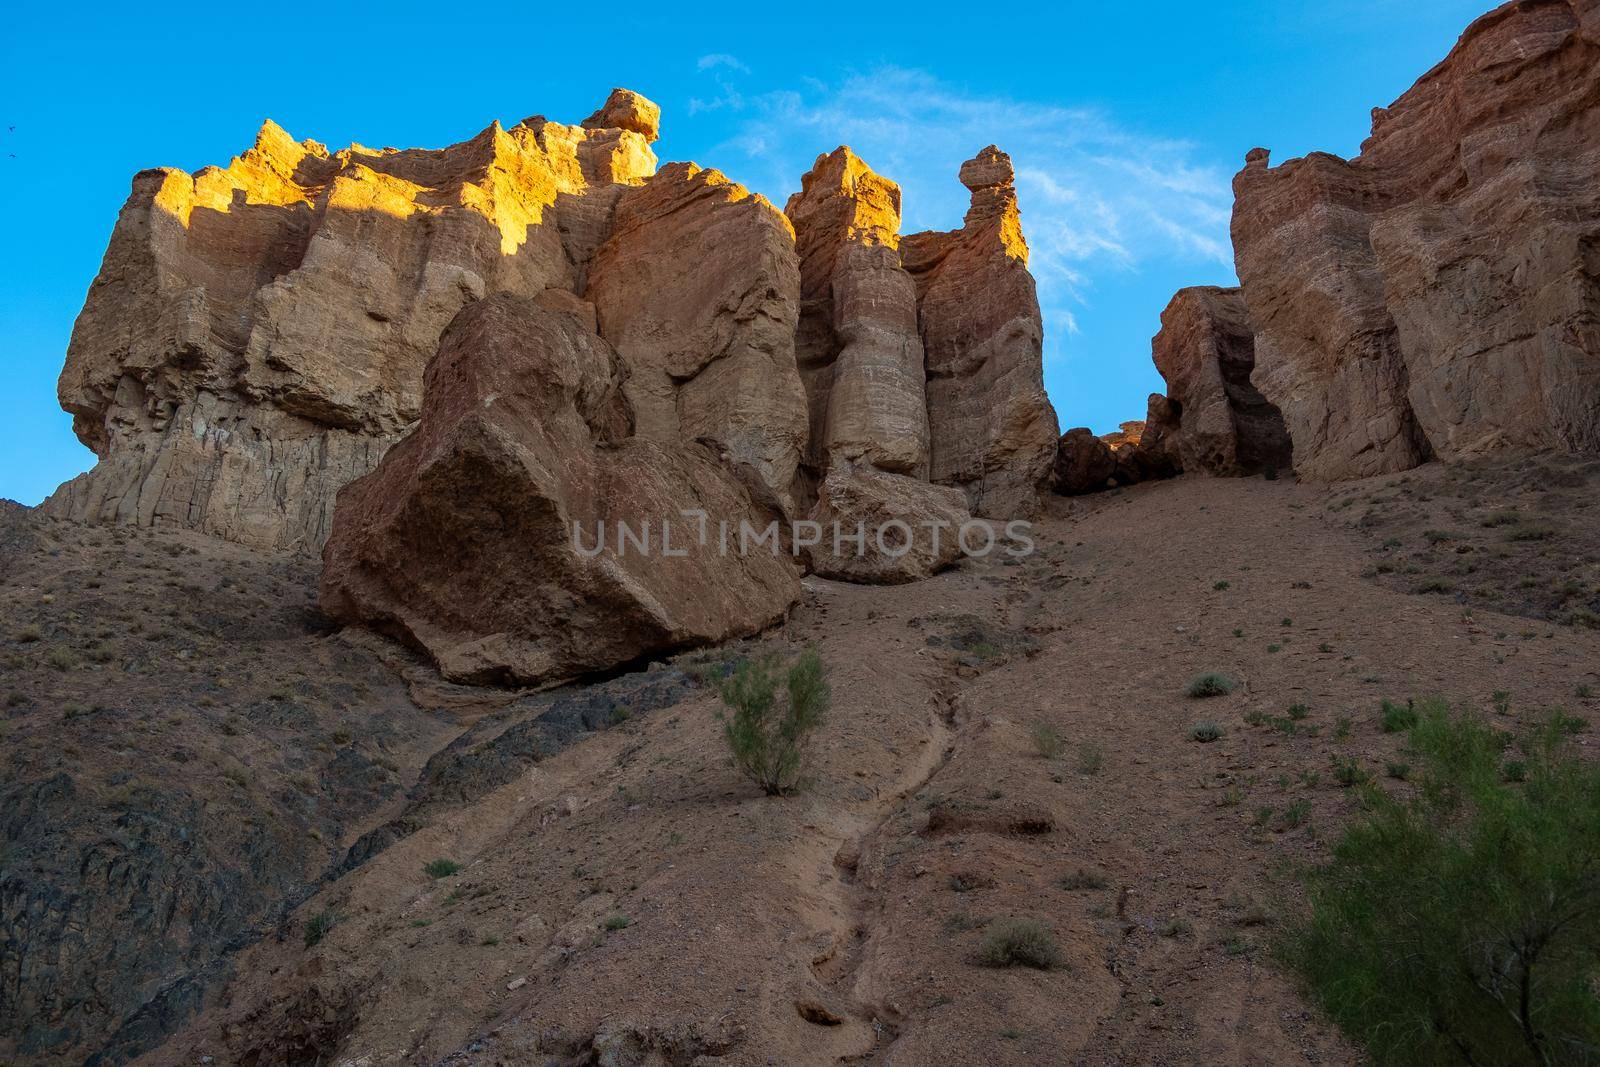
{"x": 631, "y": 901}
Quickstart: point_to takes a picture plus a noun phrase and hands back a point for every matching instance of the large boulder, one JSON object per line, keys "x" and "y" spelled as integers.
{"x": 1206, "y": 352}
{"x": 257, "y": 333}
{"x": 1437, "y": 294}
{"x": 880, "y": 528}
{"x": 489, "y": 537}
{"x": 698, "y": 288}
{"x": 992, "y": 428}
{"x": 1083, "y": 463}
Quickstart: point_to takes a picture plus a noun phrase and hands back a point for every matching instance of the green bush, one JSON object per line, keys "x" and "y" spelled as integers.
{"x": 1021, "y": 943}
{"x": 1205, "y": 732}
{"x": 1461, "y": 923}
{"x": 1210, "y": 685}
{"x": 440, "y": 868}
{"x": 318, "y": 925}
{"x": 1398, "y": 717}
{"x": 769, "y": 742}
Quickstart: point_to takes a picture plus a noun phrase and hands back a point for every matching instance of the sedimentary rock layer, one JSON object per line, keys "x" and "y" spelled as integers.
{"x": 1439, "y": 294}
{"x": 991, "y": 427}
{"x": 257, "y": 333}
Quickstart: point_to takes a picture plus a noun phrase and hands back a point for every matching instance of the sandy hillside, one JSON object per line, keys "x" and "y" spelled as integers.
{"x": 629, "y": 900}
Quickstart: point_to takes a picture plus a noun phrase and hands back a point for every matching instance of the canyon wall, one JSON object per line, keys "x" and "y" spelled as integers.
{"x": 1439, "y": 294}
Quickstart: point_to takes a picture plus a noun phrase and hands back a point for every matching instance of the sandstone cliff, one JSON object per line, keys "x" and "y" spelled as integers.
{"x": 1439, "y": 294}
{"x": 992, "y": 429}
{"x": 257, "y": 333}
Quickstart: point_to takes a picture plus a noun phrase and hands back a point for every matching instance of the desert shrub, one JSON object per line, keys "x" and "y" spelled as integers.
{"x": 1210, "y": 684}
{"x": 1083, "y": 878}
{"x": 29, "y": 634}
{"x": 1348, "y": 772}
{"x": 440, "y": 868}
{"x": 618, "y": 921}
{"x": 1205, "y": 732}
{"x": 1046, "y": 740}
{"x": 1298, "y": 711}
{"x": 1398, "y": 717}
{"x": 1021, "y": 943}
{"x": 318, "y": 925}
{"x": 768, "y": 741}
{"x": 1461, "y": 923}
{"x": 1090, "y": 759}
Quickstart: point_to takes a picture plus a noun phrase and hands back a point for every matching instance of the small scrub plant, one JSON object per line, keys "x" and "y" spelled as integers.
{"x": 1210, "y": 684}
{"x": 1349, "y": 772}
{"x": 1398, "y": 717}
{"x": 1436, "y": 585}
{"x": 1502, "y": 702}
{"x": 1205, "y": 732}
{"x": 1398, "y": 771}
{"x": 440, "y": 868}
{"x": 617, "y": 922}
{"x": 768, "y": 739}
{"x": 1220, "y": 586}
{"x": 1090, "y": 759}
{"x": 1021, "y": 943}
{"x": 1298, "y": 711}
{"x": 28, "y": 634}
{"x": 1460, "y": 922}
{"x": 1083, "y": 878}
{"x": 1046, "y": 740}
{"x": 1343, "y": 728}
{"x": 1296, "y": 814}
{"x": 318, "y": 925}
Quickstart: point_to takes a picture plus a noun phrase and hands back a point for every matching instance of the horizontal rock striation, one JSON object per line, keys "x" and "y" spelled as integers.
{"x": 1439, "y": 294}
{"x": 256, "y": 335}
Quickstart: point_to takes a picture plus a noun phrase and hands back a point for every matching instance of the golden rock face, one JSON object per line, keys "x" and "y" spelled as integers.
{"x": 258, "y": 333}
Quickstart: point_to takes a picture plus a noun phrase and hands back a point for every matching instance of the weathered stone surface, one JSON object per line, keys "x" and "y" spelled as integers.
{"x": 992, "y": 429}
{"x": 698, "y": 288}
{"x": 1206, "y": 352}
{"x": 625, "y": 109}
{"x": 858, "y": 348}
{"x": 1437, "y": 294}
{"x": 1083, "y": 463}
{"x": 1156, "y": 453}
{"x": 462, "y": 540}
{"x": 908, "y": 528}
{"x": 257, "y": 333}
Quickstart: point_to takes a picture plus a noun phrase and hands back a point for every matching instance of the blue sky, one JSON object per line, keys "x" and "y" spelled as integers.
{"x": 1126, "y": 124}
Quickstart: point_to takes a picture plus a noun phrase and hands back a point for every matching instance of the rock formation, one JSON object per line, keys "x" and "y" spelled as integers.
{"x": 257, "y": 339}
{"x": 698, "y": 288}
{"x": 861, "y": 358}
{"x": 1437, "y": 295}
{"x": 992, "y": 430}
{"x": 1083, "y": 464}
{"x": 1206, "y": 352}
{"x": 257, "y": 333}
{"x": 490, "y": 536}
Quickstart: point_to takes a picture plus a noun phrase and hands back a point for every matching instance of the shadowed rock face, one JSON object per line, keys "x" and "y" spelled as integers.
{"x": 1206, "y": 352}
{"x": 257, "y": 333}
{"x": 462, "y": 542}
{"x": 1439, "y": 294}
